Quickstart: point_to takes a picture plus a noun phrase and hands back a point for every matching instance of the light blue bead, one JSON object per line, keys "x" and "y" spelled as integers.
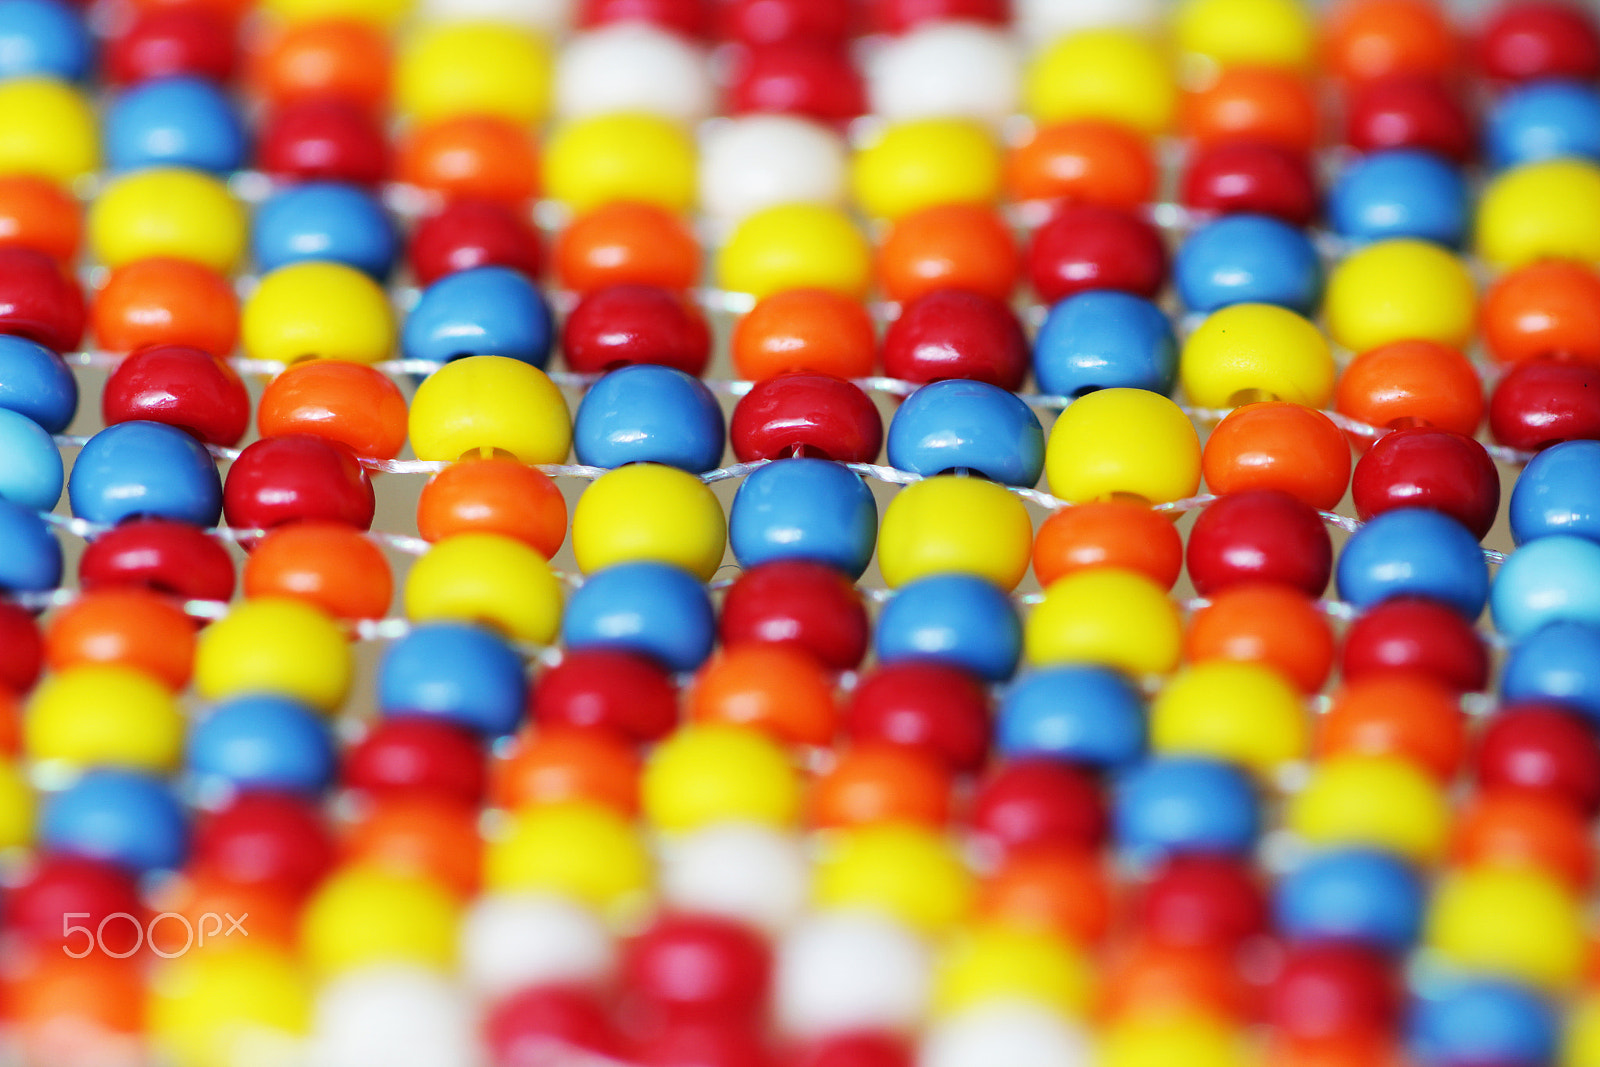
{"x": 37, "y": 383}
{"x": 1544, "y": 120}
{"x": 1559, "y": 663}
{"x": 264, "y": 742}
{"x": 324, "y": 221}
{"x": 456, "y": 672}
{"x": 649, "y": 608}
{"x": 1088, "y": 715}
{"x": 809, "y": 509}
{"x": 1184, "y": 805}
{"x": 485, "y": 311}
{"x": 647, "y": 413}
{"x": 1558, "y": 492}
{"x": 1369, "y": 897}
{"x": 1553, "y": 579}
{"x": 131, "y": 820}
{"x": 967, "y": 425}
{"x": 145, "y": 469}
{"x": 30, "y": 555}
{"x": 1483, "y": 1023}
{"x": 43, "y": 38}
{"x": 1403, "y": 193}
{"x": 955, "y": 619}
{"x": 174, "y": 122}
{"x": 1248, "y": 259}
{"x": 1414, "y": 552}
{"x": 31, "y": 473}
{"x": 1104, "y": 340}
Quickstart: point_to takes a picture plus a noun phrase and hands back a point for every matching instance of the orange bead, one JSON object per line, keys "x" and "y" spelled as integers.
{"x": 163, "y": 301}
{"x": 1148, "y": 976}
{"x": 273, "y": 911}
{"x": 10, "y": 722}
{"x": 473, "y": 155}
{"x": 1525, "y": 828}
{"x": 352, "y": 403}
{"x": 813, "y": 330}
{"x": 127, "y": 628}
{"x": 554, "y": 765}
{"x": 497, "y": 495}
{"x": 1411, "y": 383}
{"x": 775, "y": 688}
{"x": 1262, "y": 104}
{"x": 1277, "y": 625}
{"x": 431, "y": 836}
{"x": 336, "y": 59}
{"x": 1089, "y": 162}
{"x": 627, "y": 244}
{"x": 1112, "y": 533}
{"x": 328, "y": 564}
{"x": 875, "y": 783}
{"x": 1364, "y": 40}
{"x": 1278, "y": 445}
{"x": 1550, "y": 308}
{"x": 1397, "y": 713}
{"x": 1343, "y": 1050}
{"x": 955, "y": 246}
{"x": 39, "y": 214}
{"x": 1061, "y": 891}
{"x": 55, "y": 991}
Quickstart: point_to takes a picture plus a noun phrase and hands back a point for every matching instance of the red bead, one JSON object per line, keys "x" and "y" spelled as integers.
{"x": 39, "y": 300}
{"x": 702, "y": 1043}
{"x": 1541, "y": 747}
{"x": 1088, "y": 246}
{"x": 1541, "y": 402}
{"x": 324, "y": 140}
{"x": 1247, "y": 176}
{"x": 758, "y": 22}
{"x": 898, "y": 16}
{"x": 157, "y": 554}
{"x": 1264, "y": 535}
{"x": 1426, "y": 468}
{"x": 1526, "y": 40}
{"x": 864, "y": 1049}
{"x": 1040, "y": 802}
{"x": 1334, "y": 990}
{"x": 1410, "y": 112}
{"x": 814, "y": 415}
{"x": 87, "y": 889}
{"x": 271, "y": 838}
{"x": 797, "y": 78}
{"x": 549, "y": 1024}
{"x": 939, "y": 709}
{"x": 1201, "y": 900}
{"x": 688, "y": 17}
{"x": 474, "y": 233}
{"x": 171, "y": 41}
{"x": 699, "y": 966}
{"x": 954, "y": 333}
{"x": 594, "y": 688}
{"x": 797, "y": 602}
{"x": 623, "y": 324}
{"x": 287, "y": 479}
{"x": 413, "y": 754}
{"x": 180, "y": 386}
{"x": 1412, "y": 634}
{"x": 21, "y": 649}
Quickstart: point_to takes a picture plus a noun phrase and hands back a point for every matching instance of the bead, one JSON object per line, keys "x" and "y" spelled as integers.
{"x": 1103, "y": 339}
{"x": 619, "y": 243}
{"x": 646, "y": 608}
{"x": 1541, "y": 402}
{"x": 468, "y": 233}
{"x": 686, "y": 17}
{"x": 486, "y": 578}
{"x": 362, "y": 915}
{"x": 1279, "y": 445}
{"x": 804, "y": 330}
{"x": 167, "y": 211}
{"x": 485, "y": 404}
{"x": 1371, "y": 801}
{"x": 32, "y": 553}
{"x": 649, "y": 512}
{"x": 447, "y": 70}
{"x": 711, "y": 773}
{"x": 1108, "y": 616}
{"x": 274, "y": 645}
{"x": 1246, "y": 350}
{"x": 1483, "y": 1019}
{"x": 43, "y": 39}
{"x": 593, "y": 161}
{"x": 909, "y": 79}
{"x": 1326, "y": 990}
{"x": 60, "y": 882}
{"x": 348, "y": 403}
{"x": 406, "y": 1015}
{"x": 952, "y": 524}
{"x": 514, "y": 942}
{"x": 633, "y": 67}
{"x": 117, "y": 816}
{"x": 124, "y": 627}
{"x": 1123, "y": 442}
{"x": 951, "y": 618}
{"x": 1553, "y": 664}
{"x": 1543, "y": 309}
{"x": 495, "y": 495}
{"x": 908, "y": 873}
{"x": 781, "y": 691}
{"x": 797, "y": 603}
{"x": 164, "y": 301}
{"x": 931, "y": 707}
{"x": 1409, "y": 716}
{"x": 1088, "y": 716}
{"x": 50, "y": 130}
{"x": 1400, "y": 290}
{"x": 882, "y": 783}
{"x": 1410, "y": 111}
{"x": 624, "y": 324}
{"x": 32, "y": 476}
{"x": 1270, "y": 624}
{"x": 324, "y": 221}
{"x": 1086, "y": 246}
{"x": 1551, "y": 579}
{"x": 1199, "y": 901}
{"x": 1525, "y": 41}
{"x": 1110, "y": 74}
{"x": 323, "y": 140}
{"x": 1262, "y": 535}
{"x": 277, "y": 480}
{"x": 382, "y": 14}
{"x": 1352, "y": 895}
{"x": 701, "y": 964}
{"x": 1518, "y": 223}
{"x": 649, "y": 414}
{"x": 1411, "y": 383}
{"x": 804, "y": 509}
{"x": 863, "y": 1049}
{"x": 606, "y": 690}
{"x": 182, "y": 387}
{"x": 1248, "y": 259}
{"x": 1245, "y": 713}
{"x": 1400, "y": 193}
{"x": 24, "y": 649}
{"x": 263, "y": 743}
{"x": 324, "y": 59}
{"x": 480, "y": 156}
{"x": 318, "y": 310}
{"x": 953, "y": 333}
{"x": 1524, "y": 828}
{"x": 265, "y": 839}
{"x": 43, "y": 302}
{"x": 1555, "y": 494}
{"x": 1086, "y": 161}
{"x": 1040, "y": 803}
{"x": 1243, "y": 33}
{"x": 742, "y": 871}
{"x": 844, "y": 971}
{"x": 1270, "y": 105}
{"x": 795, "y": 246}
{"x": 958, "y": 425}
{"x": 812, "y": 80}
{"x": 483, "y": 311}
{"x": 758, "y": 22}
{"x": 1426, "y": 468}
{"x": 949, "y": 246}
{"x": 1543, "y": 120}
{"x": 202, "y": 1002}
{"x": 174, "y": 558}
{"x": 1416, "y": 635}
{"x": 1005, "y": 1030}
{"x": 992, "y": 963}
{"x": 88, "y": 714}
{"x": 1543, "y": 749}
{"x": 417, "y": 756}
{"x": 174, "y": 122}
{"x": 39, "y": 214}
{"x": 1414, "y": 552}
{"x": 1512, "y": 922}
{"x": 1114, "y": 533}
{"x": 1250, "y": 177}
{"x": 145, "y": 469}
{"x": 1370, "y": 39}
{"x": 1176, "y": 805}
{"x": 35, "y": 382}
{"x": 328, "y": 564}
{"x": 461, "y": 674}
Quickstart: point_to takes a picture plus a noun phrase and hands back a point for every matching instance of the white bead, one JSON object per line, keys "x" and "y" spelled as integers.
{"x": 1010, "y": 1032}
{"x": 851, "y": 970}
{"x": 632, "y": 66}
{"x": 510, "y": 941}
{"x": 761, "y": 161}
{"x": 551, "y": 16}
{"x": 392, "y": 1016}
{"x": 946, "y": 70}
{"x": 1042, "y": 21}
{"x": 751, "y": 873}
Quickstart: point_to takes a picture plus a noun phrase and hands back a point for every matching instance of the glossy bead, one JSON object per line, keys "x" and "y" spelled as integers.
{"x": 24, "y": 649}
{"x": 326, "y": 59}
{"x": 861, "y": 1049}
{"x": 287, "y": 479}
{"x": 105, "y": 714}
{"x": 648, "y": 414}
{"x": 594, "y": 161}
{"x": 630, "y": 67}
{"x": 1086, "y": 161}
{"x": 1089, "y": 716}
{"x": 606, "y": 689}
{"x": 323, "y": 140}
{"x": 125, "y": 628}
{"x": 908, "y": 873}
{"x": 173, "y": 558}
{"x": 473, "y": 68}
{"x": 1328, "y": 990}
{"x": 511, "y": 942}
{"x": 1411, "y": 383}
{"x": 1112, "y": 74}
{"x": 1353, "y": 895}
{"x": 804, "y": 330}
{"x": 1400, "y": 193}
{"x": 166, "y": 301}
{"x": 1541, "y": 402}
{"x": 957, "y": 425}
{"x": 1263, "y": 535}
{"x": 842, "y": 971}
{"x": 1518, "y": 223}
{"x": 1245, "y": 713}
{"x": 1176, "y": 805}
{"x": 781, "y": 691}
{"x": 1518, "y": 827}
{"x": 43, "y": 39}
{"x": 623, "y": 243}
{"x": 1543, "y": 120}
{"x": 1435, "y": 469}
{"x": 531, "y": 1015}
{"x": 123, "y": 818}
{"x": 37, "y": 213}
{"x": 951, "y": 618}
{"x": 708, "y": 773}
{"x": 1513, "y": 922}
{"x": 624, "y": 324}
{"x": 1419, "y": 112}
{"x": 1483, "y": 1019}
{"x": 318, "y": 310}
{"x": 1544, "y": 749}
{"x": 1246, "y": 350}
{"x": 1250, "y": 177}
{"x": 182, "y": 387}
{"x": 1123, "y": 441}
{"x": 1278, "y": 445}
{"x": 42, "y": 302}
{"x": 1522, "y": 42}
{"x": 754, "y": 162}
{"x": 559, "y": 766}
{"x": 35, "y": 382}
{"x": 1370, "y": 39}
{"x": 1038, "y": 802}
{"x": 407, "y": 756}
{"x": 1372, "y": 801}
{"x": 363, "y": 914}
{"x": 348, "y": 403}
{"x": 776, "y": 21}
{"x": 953, "y": 333}
{"x": 809, "y": 79}
{"x": 952, "y": 524}
{"x": 1416, "y": 635}
{"x": 1555, "y": 494}
{"x": 274, "y": 645}
{"x": 804, "y": 509}
{"x": 797, "y": 603}
{"x": 925, "y": 163}
{"x": 265, "y": 838}
{"x": 1253, "y": 103}
{"x": 699, "y": 964}
{"x": 145, "y": 469}
{"x": 324, "y": 221}
{"x": 795, "y": 246}
{"x": 1104, "y": 339}
{"x": 907, "y": 79}
{"x": 468, "y": 233}
{"x": 485, "y": 157}
{"x": 263, "y": 743}
{"x": 1248, "y": 259}
{"x": 948, "y": 246}
{"x": 646, "y": 511}
{"x": 932, "y": 707}
{"x": 328, "y": 564}
{"x": 1554, "y": 664}
{"x": 485, "y": 311}
{"x": 1084, "y": 247}
{"x": 882, "y": 783}
{"x": 1199, "y": 901}
{"x": 459, "y": 673}
{"x": 63, "y": 883}
{"x": 1410, "y": 716}
{"x": 52, "y": 133}
{"x": 806, "y": 415}
{"x": 686, "y": 17}
{"x": 33, "y": 560}
{"x": 33, "y": 473}
{"x": 649, "y": 608}
{"x": 1414, "y": 552}
{"x": 480, "y": 404}
{"x": 1551, "y": 579}
{"x": 1543, "y": 309}
{"x": 1115, "y": 533}
{"x": 1271, "y": 624}
{"x": 1108, "y": 616}
{"x": 174, "y": 122}
{"x": 496, "y": 495}
{"x": 1400, "y": 290}
{"x": 489, "y": 579}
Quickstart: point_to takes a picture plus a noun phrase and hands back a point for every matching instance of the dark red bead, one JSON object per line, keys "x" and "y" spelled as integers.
{"x": 1421, "y": 467}
{"x": 939, "y": 709}
{"x": 955, "y": 333}
{"x": 474, "y": 233}
{"x": 1525, "y": 40}
{"x": 700, "y": 966}
{"x": 1541, "y": 402}
{"x": 62, "y": 885}
{"x": 1040, "y": 802}
{"x": 1412, "y": 634}
{"x": 161, "y": 555}
{"x": 1410, "y": 112}
{"x": 324, "y": 140}
{"x": 180, "y": 386}
{"x": 1201, "y": 900}
{"x": 594, "y": 688}
{"x": 898, "y": 16}
{"x": 800, "y": 603}
{"x": 296, "y": 478}
{"x": 623, "y": 324}
{"x": 759, "y": 22}
{"x": 1541, "y": 747}
{"x": 415, "y": 754}
{"x": 21, "y": 649}
{"x": 814, "y": 415}
{"x": 1248, "y": 177}
{"x": 688, "y": 17}
{"x": 702, "y": 1043}
{"x": 1264, "y": 535}
{"x": 863, "y": 1049}
{"x": 808, "y": 78}
{"x": 1330, "y": 989}
{"x": 265, "y": 838}
{"x": 1089, "y": 246}
{"x": 167, "y": 41}
{"x": 39, "y": 300}
{"x": 546, "y": 1025}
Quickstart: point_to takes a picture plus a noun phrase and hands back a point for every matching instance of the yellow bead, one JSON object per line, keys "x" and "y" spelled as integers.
{"x": 213, "y": 1005}
{"x": 1581, "y": 1045}
{"x": 1111, "y": 74}
{"x": 1123, "y": 443}
{"x": 1245, "y": 713}
{"x": 591, "y": 162}
{"x": 363, "y": 915}
{"x": 949, "y": 524}
{"x": 1105, "y": 615}
{"x": 1511, "y": 922}
{"x": 472, "y": 68}
{"x": 576, "y": 849}
{"x": 1377, "y": 801}
{"x": 486, "y": 578}
{"x": 274, "y": 645}
{"x": 1163, "y": 1039}
{"x": 488, "y": 404}
{"x": 917, "y": 165}
{"x": 382, "y": 13}
{"x": 17, "y": 806}
{"x": 649, "y": 512}
{"x": 1548, "y": 210}
{"x": 1400, "y": 290}
{"x": 994, "y": 962}
{"x": 102, "y": 714}
{"x": 910, "y": 873}
{"x": 795, "y": 246}
{"x": 706, "y": 774}
{"x": 316, "y": 310}
{"x": 167, "y": 211}
{"x": 48, "y": 129}
{"x": 1258, "y": 33}
{"x": 1250, "y": 352}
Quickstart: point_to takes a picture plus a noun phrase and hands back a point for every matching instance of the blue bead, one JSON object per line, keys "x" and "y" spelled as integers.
{"x": 1248, "y": 259}
{"x": 462, "y": 674}
{"x": 1544, "y": 120}
{"x": 1104, "y": 340}
{"x": 174, "y": 122}
{"x": 31, "y": 474}
{"x": 1414, "y": 552}
{"x": 43, "y": 38}
{"x": 1403, "y": 193}
{"x": 30, "y": 555}
{"x": 1368, "y": 897}
{"x": 264, "y": 742}
{"x": 649, "y": 608}
{"x": 1558, "y": 492}
{"x": 1088, "y": 715}
{"x": 324, "y": 221}
{"x": 37, "y": 382}
{"x": 1184, "y": 805}
{"x": 649, "y": 414}
{"x": 808, "y": 509}
{"x": 1553, "y": 579}
{"x": 1559, "y": 663}
{"x": 1483, "y": 1023}
{"x": 128, "y": 819}
{"x": 486, "y": 311}
{"x": 967, "y": 425}
{"x": 145, "y": 469}
{"x": 955, "y": 619}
